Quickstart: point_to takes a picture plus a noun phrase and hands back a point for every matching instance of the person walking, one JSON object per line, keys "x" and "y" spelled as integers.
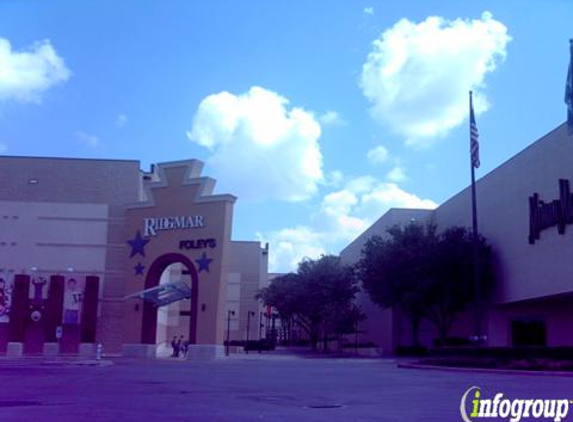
{"x": 174, "y": 346}
{"x": 178, "y": 344}
{"x": 184, "y": 348}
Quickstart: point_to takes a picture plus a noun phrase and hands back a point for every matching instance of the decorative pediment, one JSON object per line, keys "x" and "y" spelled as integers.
{"x": 180, "y": 173}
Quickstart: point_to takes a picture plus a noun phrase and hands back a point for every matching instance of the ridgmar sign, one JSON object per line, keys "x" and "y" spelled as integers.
{"x": 155, "y": 224}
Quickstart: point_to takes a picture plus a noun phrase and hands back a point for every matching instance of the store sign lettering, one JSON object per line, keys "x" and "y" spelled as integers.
{"x": 198, "y": 244}
{"x": 153, "y": 225}
{"x": 558, "y": 212}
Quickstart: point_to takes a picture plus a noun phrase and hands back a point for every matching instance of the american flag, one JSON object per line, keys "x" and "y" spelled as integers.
{"x": 474, "y": 135}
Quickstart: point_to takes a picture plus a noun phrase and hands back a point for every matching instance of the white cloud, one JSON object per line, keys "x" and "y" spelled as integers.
{"x": 418, "y": 75}
{"x": 121, "y": 120}
{"x": 384, "y": 196}
{"x": 337, "y": 218}
{"x": 290, "y": 246}
{"x": 26, "y": 75}
{"x": 343, "y": 214}
{"x": 351, "y": 210}
{"x": 361, "y": 184}
{"x": 3, "y": 147}
{"x": 334, "y": 178}
{"x": 369, "y": 10}
{"x": 397, "y": 174}
{"x": 260, "y": 148}
{"x": 331, "y": 118}
{"x": 378, "y": 154}
{"x": 87, "y": 139}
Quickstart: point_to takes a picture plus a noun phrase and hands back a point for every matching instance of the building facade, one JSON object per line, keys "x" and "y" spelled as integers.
{"x": 99, "y": 251}
{"x": 525, "y": 211}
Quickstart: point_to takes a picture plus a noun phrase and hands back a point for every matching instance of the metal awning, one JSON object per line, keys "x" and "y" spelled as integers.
{"x": 164, "y": 294}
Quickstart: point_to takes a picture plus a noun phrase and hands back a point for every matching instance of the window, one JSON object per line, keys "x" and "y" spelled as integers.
{"x": 528, "y": 332}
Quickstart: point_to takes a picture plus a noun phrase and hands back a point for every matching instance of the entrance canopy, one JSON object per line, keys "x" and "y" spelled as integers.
{"x": 164, "y": 294}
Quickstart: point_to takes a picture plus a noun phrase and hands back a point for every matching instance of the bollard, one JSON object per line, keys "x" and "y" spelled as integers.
{"x": 99, "y": 350}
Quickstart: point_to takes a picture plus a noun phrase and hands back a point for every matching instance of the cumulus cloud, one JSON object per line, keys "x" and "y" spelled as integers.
{"x": 337, "y": 217}
{"x": 397, "y": 174}
{"x": 349, "y": 211}
{"x": 369, "y": 10}
{"x": 331, "y": 118}
{"x": 361, "y": 184}
{"x": 333, "y": 178}
{"x": 418, "y": 75}
{"x": 26, "y": 75}
{"x": 377, "y": 155}
{"x": 289, "y": 246}
{"x": 386, "y": 195}
{"x": 260, "y": 148}
{"x": 3, "y": 148}
{"x": 86, "y": 138}
{"x": 121, "y": 120}
{"x": 342, "y": 215}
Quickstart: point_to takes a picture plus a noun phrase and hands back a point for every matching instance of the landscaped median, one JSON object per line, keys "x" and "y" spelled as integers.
{"x": 513, "y": 359}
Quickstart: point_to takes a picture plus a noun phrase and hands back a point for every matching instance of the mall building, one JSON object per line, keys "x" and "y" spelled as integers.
{"x": 525, "y": 211}
{"x": 101, "y": 252}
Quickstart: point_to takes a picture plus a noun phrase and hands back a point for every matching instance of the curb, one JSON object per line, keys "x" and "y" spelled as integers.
{"x": 102, "y": 362}
{"x": 42, "y": 361}
{"x": 486, "y": 370}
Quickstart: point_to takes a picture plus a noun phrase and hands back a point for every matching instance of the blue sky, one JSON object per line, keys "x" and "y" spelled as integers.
{"x": 319, "y": 116}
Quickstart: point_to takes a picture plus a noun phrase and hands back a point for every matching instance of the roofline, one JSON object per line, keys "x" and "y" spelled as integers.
{"x": 503, "y": 164}
{"x": 28, "y": 157}
{"x": 428, "y": 210}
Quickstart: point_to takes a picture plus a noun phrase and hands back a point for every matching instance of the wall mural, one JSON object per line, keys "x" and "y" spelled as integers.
{"x": 39, "y": 286}
{"x": 6, "y": 287}
{"x": 73, "y": 298}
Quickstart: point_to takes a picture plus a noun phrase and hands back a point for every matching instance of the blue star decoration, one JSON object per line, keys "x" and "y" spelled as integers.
{"x": 139, "y": 269}
{"x": 203, "y": 263}
{"x": 137, "y": 244}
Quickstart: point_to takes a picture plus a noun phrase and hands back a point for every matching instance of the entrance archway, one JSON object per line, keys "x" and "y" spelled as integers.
{"x": 149, "y": 318}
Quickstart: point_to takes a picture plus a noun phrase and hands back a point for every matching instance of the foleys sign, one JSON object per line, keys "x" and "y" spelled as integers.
{"x": 558, "y": 212}
{"x": 198, "y": 244}
{"x": 155, "y": 224}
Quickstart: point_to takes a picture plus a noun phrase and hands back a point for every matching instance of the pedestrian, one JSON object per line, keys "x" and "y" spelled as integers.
{"x": 174, "y": 346}
{"x": 185, "y": 348}
{"x": 178, "y": 344}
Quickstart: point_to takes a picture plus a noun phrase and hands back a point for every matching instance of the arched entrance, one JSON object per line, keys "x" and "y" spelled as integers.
{"x": 149, "y": 327}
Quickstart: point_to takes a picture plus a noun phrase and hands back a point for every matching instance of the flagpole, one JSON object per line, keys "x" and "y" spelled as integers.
{"x": 475, "y": 235}
{"x": 569, "y": 90}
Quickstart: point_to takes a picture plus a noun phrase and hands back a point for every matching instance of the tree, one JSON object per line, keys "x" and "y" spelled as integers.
{"x": 423, "y": 274}
{"x": 452, "y": 287}
{"x": 282, "y": 294}
{"x": 395, "y": 271}
{"x": 317, "y": 297}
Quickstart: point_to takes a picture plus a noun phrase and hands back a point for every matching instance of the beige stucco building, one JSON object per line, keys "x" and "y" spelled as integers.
{"x": 525, "y": 211}
{"x": 150, "y": 253}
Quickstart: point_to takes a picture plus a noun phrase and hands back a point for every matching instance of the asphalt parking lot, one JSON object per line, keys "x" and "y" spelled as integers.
{"x": 271, "y": 388}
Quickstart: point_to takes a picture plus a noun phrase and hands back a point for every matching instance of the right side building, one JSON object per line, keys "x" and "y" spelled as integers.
{"x": 525, "y": 211}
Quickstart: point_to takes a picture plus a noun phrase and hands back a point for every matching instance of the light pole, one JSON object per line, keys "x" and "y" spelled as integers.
{"x": 249, "y": 315}
{"x": 273, "y": 329}
{"x": 356, "y": 336}
{"x": 261, "y": 325}
{"x": 229, "y": 313}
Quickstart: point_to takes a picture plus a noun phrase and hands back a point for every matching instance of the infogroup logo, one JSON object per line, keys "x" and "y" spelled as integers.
{"x": 475, "y": 407}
